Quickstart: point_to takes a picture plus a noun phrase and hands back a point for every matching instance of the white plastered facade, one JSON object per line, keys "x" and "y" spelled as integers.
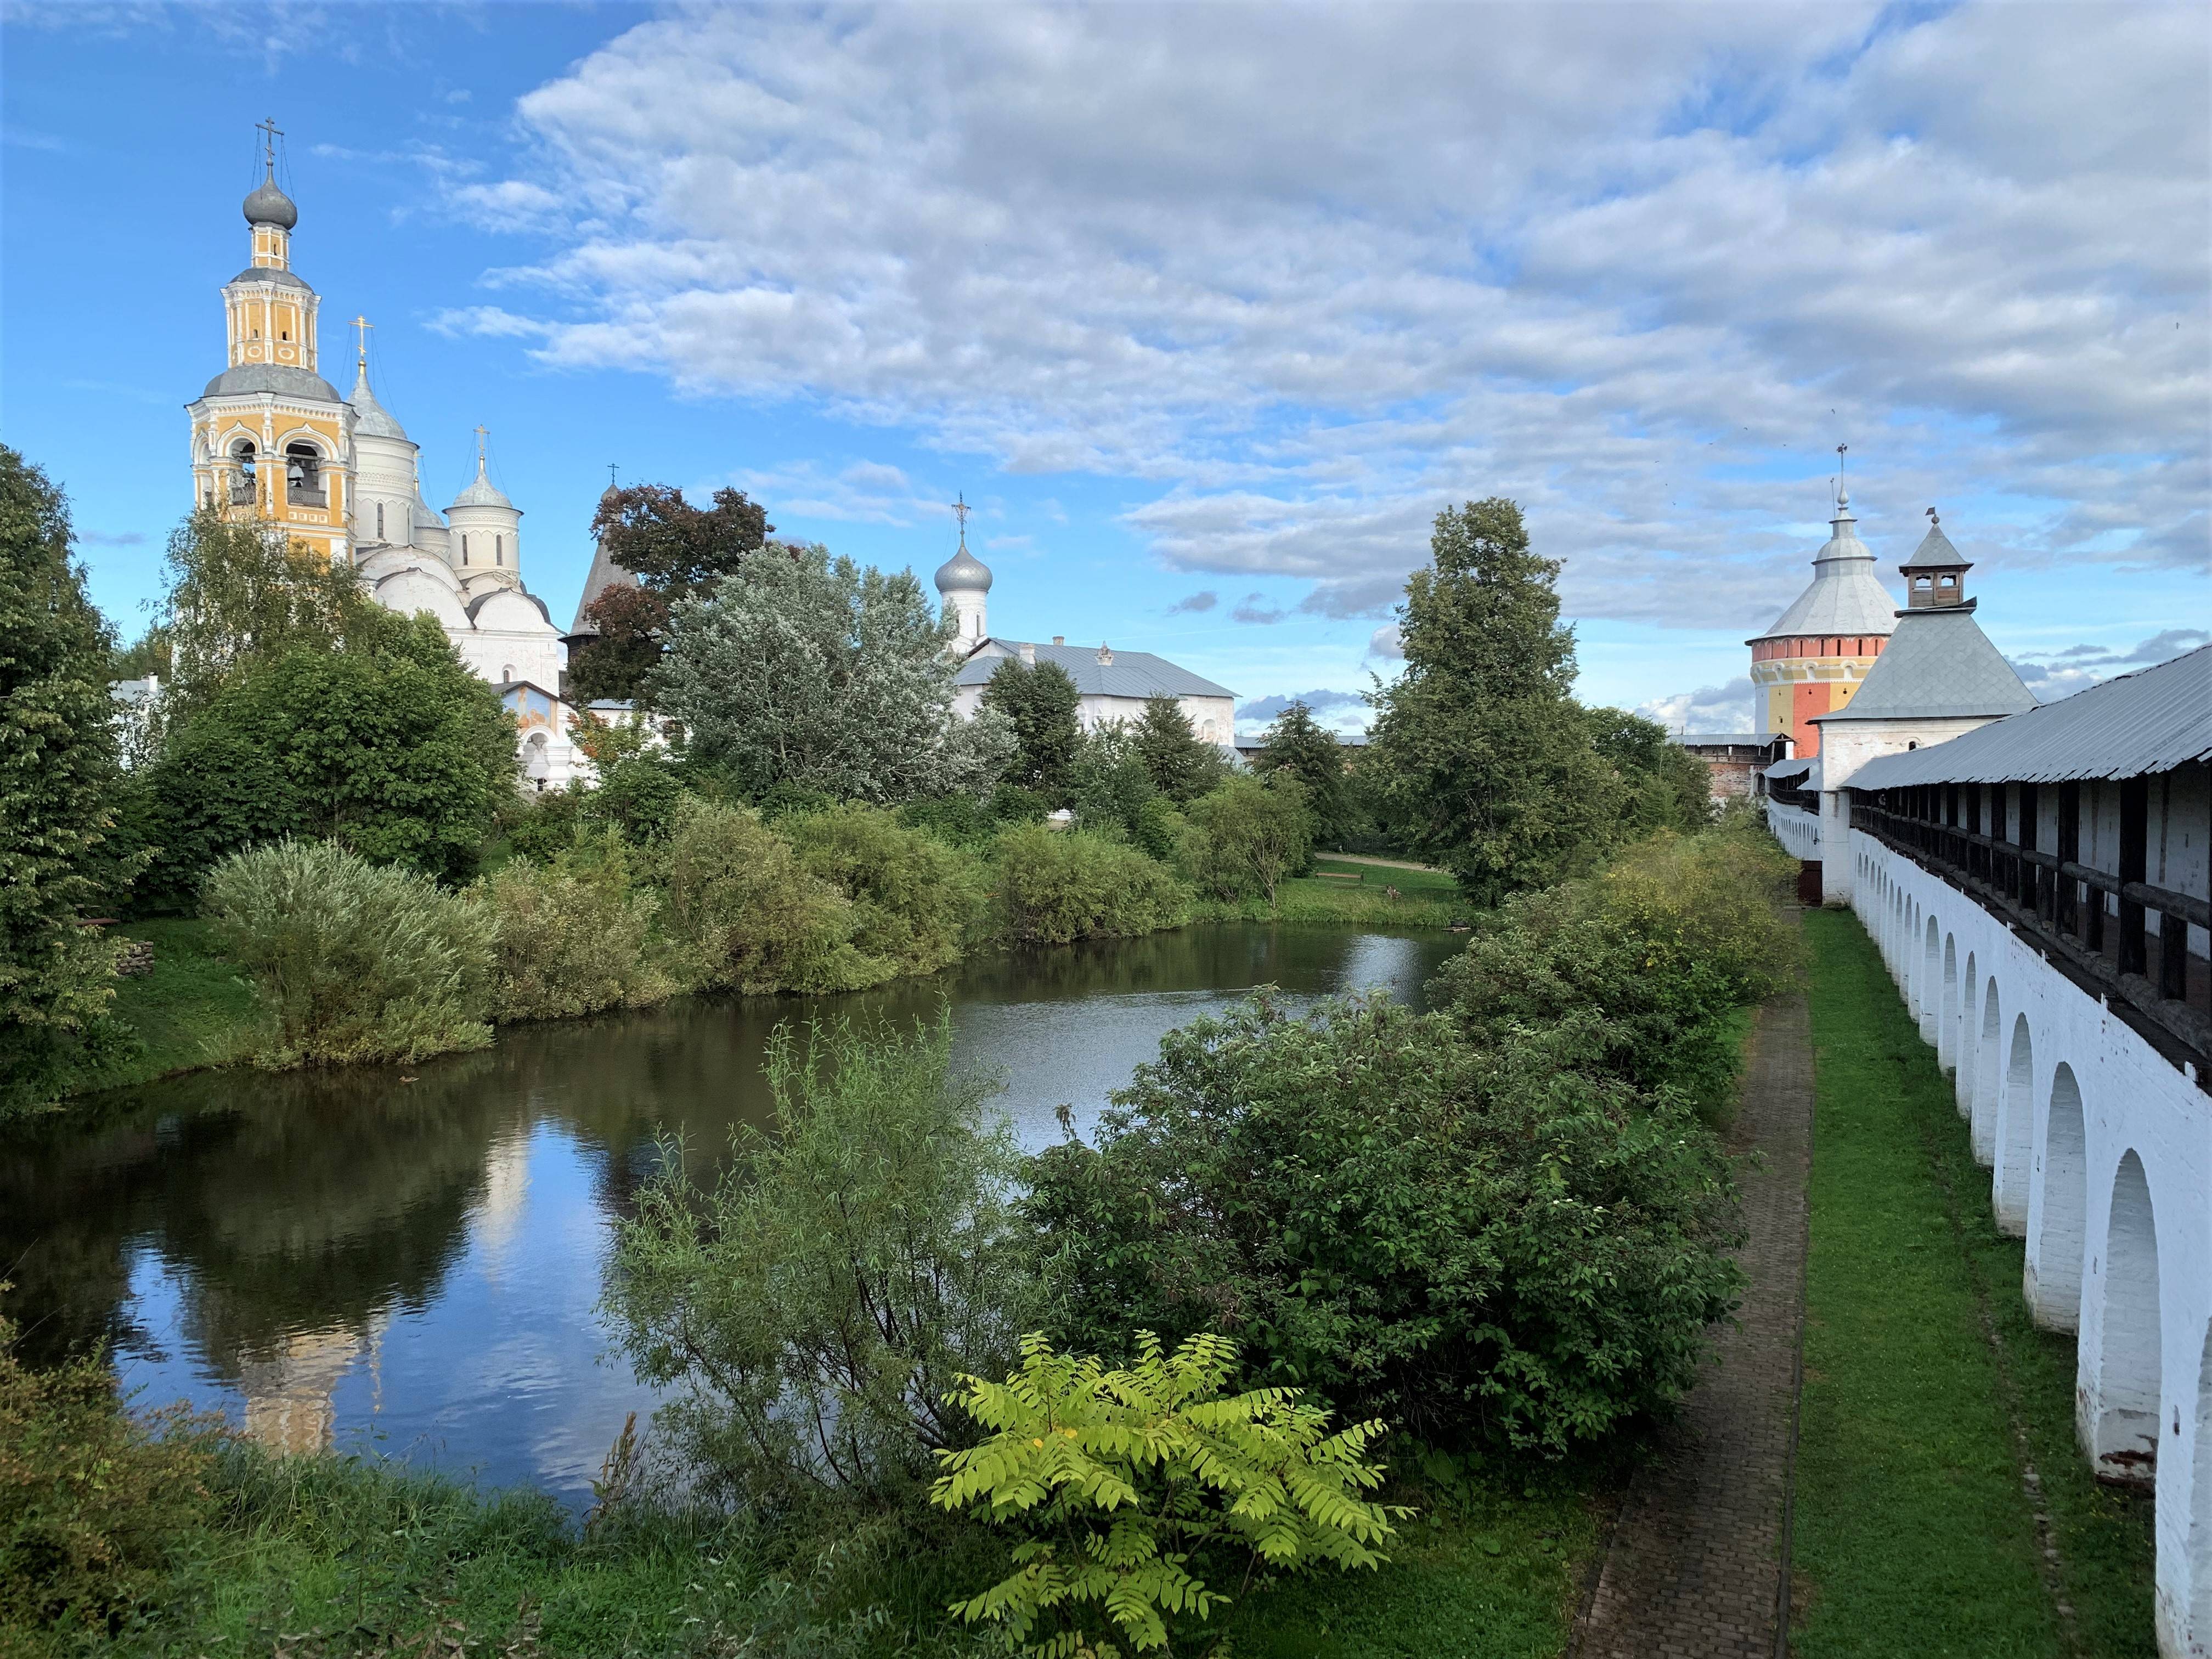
{"x": 2100, "y": 1157}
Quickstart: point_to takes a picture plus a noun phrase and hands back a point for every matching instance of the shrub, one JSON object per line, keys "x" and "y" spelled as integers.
{"x": 1476, "y": 1245}
{"x": 1118, "y": 1481}
{"x": 573, "y": 937}
{"x": 917, "y": 899}
{"x": 351, "y": 961}
{"x": 1632, "y": 970}
{"x": 1244, "y": 838}
{"x": 817, "y": 1301}
{"x": 1108, "y": 785}
{"x": 95, "y": 1504}
{"x": 1059, "y": 885}
{"x": 541, "y": 824}
{"x": 744, "y": 912}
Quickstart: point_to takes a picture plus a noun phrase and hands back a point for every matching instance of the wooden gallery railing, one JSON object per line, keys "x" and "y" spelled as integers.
{"x": 2056, "y": 904}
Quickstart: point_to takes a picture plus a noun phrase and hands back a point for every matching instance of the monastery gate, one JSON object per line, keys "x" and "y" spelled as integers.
{"x": 2039, "y": 889}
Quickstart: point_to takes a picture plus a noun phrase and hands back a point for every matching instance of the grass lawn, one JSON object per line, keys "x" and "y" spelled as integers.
{"x": 191, "y": 1011}
{"x": 1925, "y": 1380}
{"x": 1426, "y": 898}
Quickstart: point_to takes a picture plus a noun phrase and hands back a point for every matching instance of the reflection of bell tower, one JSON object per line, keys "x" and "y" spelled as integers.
{"x": 270, "y": 437}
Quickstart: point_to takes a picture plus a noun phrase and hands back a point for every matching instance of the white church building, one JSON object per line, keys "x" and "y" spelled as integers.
{"x": 1112, "y": 685}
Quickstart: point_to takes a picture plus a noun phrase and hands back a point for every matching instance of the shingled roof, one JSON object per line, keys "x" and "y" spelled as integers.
{"x": 1938, "y": 665}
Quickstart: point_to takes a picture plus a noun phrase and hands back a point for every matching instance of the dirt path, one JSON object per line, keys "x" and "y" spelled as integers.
{"x": 1387, "y": 864}
{"x": 1699, "y": 1564}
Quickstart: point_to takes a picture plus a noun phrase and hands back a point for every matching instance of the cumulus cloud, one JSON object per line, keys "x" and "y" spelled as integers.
{"x": 1258, "y": 608}
{"x": 1195, "y": 603}
{"x": 1638, "y": 266}
{"x": 1385, "y": 644}
{"x": 1709, "y": 709}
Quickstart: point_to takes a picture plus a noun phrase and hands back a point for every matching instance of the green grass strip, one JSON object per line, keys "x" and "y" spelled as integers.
{"x": 1926, "y": 1382}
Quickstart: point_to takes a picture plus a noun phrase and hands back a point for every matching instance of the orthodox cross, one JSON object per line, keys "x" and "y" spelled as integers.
{"x": 271, "y": 133}
{"x": 610, "y": 475}
{"x": 361, "y": 325}
{"x": 960, "y": 511}
{"x": 481, "y": 433}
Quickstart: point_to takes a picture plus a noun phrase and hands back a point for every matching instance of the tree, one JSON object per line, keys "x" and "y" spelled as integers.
{"x": 241, "y": 594}
{"x": 1298, "y": 745}
{"x": 58, "y": 777}
{"x": 1183, "y": 767}
{"x": 812, "y": 673}
{"x": 1247, "y": 836}
{"x": 391, "y": 747}
{"x": 676, "y": 550}
{"x": 1488, "y": 761}
{"x": 1662, "y": 785}
{"x": 1041, "y": 701}
{"x": 1109, "y": 785}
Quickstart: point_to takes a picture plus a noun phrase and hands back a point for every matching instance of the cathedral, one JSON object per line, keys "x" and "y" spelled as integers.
{"x": 270, "y": 437}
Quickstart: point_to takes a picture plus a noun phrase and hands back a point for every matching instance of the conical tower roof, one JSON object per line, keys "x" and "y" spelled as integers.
{"x": 1845, "y": 596}
{"x": 1937, "y": 553}
{"x": 604, "y": 573}
{"x": 369, "y": 417}
{"x": 481, "y": 491}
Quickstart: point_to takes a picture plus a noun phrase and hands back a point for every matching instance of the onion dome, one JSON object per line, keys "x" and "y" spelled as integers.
{"x": 269, "y": 205}
{"x": 369, "y": 418}
{"x": 963, "y": 572}
{"x": 1845, "y": 596}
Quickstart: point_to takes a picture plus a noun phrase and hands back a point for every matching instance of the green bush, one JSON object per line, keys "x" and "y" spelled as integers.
{"x": 1058, "y": 885}
{"x": 1476, "y": 1245}
{"x": 351, "y": 961}
{"x": 573, "y": 937}
{"x": 817, "y": 1302}
{"x": 916, "y": 900}
{"x": 540, "y": 825}
{"x": 1245, "y": 838}
{"x": 743, "y": 913}
{"x": 95, "y": 1505}
{"x": 1633, "y": 970}
{"x": 1118, "y": 1482}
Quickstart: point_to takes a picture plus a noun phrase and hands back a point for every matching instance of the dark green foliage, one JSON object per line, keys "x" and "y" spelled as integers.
{"x": 1041, "y": 701}
{"x": 95, "y": 1505}
{"x": 58, "y": 785}
{"x": 1486, "y": 764}
{"x": 539, "y": 825}
{"x": 1108, "y": 786}
{"x": 1057, "y": 885}
{"x": 149, "y": 653}
{"x": 1182, "y": 765}
{"x": 1662, "y": 784}
{"x": 615, "y": 662}
{"x": 1472, "y": 1243}
{"x": 1633, "y": 971}
{"x": 390, "y": 746}
{"x": 743, "y": 913}
{"x": 1298, "y": 744}
{"x": 818, "y": 1301}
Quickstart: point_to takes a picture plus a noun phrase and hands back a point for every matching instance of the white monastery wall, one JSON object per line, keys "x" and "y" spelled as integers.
{"x": 1797, "y": 829}
{"x": 2101, "y": 1156}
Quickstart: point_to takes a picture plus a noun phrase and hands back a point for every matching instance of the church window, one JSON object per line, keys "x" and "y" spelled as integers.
{"x": 380, "y": 522}
{"x": 303, "y": 480}
{"x": 241, "y": 490}
{"x": 465, "y": 547}
{"x": 499, "y": 549}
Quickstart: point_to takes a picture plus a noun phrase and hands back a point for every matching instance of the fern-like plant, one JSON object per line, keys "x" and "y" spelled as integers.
{"x": 1126, "y": 1483}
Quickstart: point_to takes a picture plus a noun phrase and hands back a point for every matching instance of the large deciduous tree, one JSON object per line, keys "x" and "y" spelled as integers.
{"x": 676, "y": 550}
{"x": 807, "y": 673}
{"x": 1041, "y": 701}
{"x": 240, "y": 594}
{"x": 390, "y": 746}
{"x": 58, "y": 779}
{"x": 1488, "y": 763}
{"x": 1183, "y": 765}
{"x": 1662, "y": 785}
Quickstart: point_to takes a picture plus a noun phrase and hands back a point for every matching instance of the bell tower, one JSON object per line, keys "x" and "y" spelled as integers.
{"x": 272, "y": 439}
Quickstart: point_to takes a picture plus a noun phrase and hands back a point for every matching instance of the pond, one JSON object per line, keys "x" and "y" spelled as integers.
{"x": 407, "y": 1261}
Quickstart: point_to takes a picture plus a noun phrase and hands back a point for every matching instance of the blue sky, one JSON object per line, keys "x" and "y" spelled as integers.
{"x": 1208, "y": 318}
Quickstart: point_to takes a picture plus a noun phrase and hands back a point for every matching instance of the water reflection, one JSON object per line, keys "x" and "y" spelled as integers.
{"x": 413, "y": 1255}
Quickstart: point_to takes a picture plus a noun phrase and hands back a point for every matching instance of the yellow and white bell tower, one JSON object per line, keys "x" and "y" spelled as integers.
{"x": 270, "y": 437}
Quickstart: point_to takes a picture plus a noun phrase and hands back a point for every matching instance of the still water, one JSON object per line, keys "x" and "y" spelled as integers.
{"x": 406, "y": 1261}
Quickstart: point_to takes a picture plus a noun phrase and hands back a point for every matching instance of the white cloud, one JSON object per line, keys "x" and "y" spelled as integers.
{"x": 1709, "y": 709}
{"x": 2053, "y": 675}
{"x": 1638, "y": 266}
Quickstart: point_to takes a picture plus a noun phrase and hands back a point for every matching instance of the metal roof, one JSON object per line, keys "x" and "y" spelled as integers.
{"x": 1937, "y": 553}
{"x": 1938, "y": 665}
{"x": 1135, "y": 674}
{"x": 2150, "y": 721}
{"x": 270, "y": 273}
{"x": 1756, "y": 739}
{"x": 1795, "y": 766}
{"x": 281, "y": 379}
{"x": 604, "y": 574}
{"x": 1846, "y": 597}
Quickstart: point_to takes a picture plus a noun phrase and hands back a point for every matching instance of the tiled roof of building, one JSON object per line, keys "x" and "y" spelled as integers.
{"x": 1938, "y": 665}
{"x": 2137, "y": 724}
{"x": 1138, "y": 674}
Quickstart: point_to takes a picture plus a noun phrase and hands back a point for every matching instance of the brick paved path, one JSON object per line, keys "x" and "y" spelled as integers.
{"x": 1697, "y": 1563}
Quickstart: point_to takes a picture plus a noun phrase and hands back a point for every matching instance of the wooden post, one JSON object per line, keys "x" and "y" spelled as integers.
{"x": 2134, "y": 862}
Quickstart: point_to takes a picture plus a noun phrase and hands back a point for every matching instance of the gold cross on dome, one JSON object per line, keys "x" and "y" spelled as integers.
{"x": 361, "y": 325}
{"x": 481, "y": 433}
{"x": 960, "y": 511}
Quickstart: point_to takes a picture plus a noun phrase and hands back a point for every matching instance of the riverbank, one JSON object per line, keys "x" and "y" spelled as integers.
{"x": 1929, "y": 1393}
